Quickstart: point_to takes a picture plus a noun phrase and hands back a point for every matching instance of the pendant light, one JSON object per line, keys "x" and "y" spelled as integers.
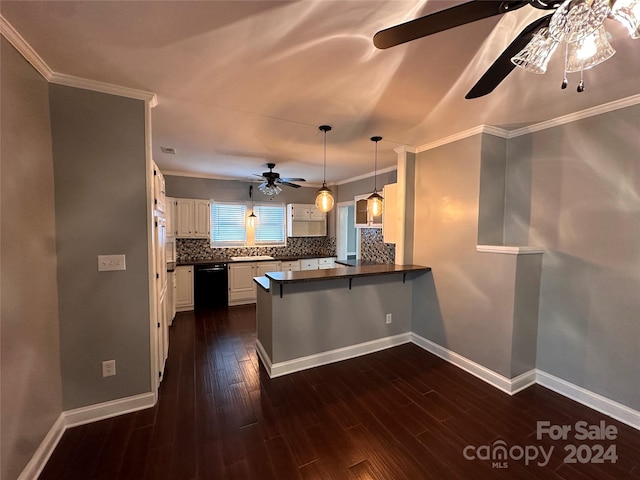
{"x": 324, "y": 196}
{"x": 374, "y": 202}
{"x": 252, "y": 217}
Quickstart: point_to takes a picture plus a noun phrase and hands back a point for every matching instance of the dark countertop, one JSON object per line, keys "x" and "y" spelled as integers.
{"x": 262, "y": 282}
{"x": 342, "y": 272}
{"x": 355, "y": 262}
{"x": 210, "y": 261}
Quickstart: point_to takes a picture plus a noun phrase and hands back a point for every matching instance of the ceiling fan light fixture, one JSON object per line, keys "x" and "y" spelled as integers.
{"x": 589, "y": 52}
{"x": 269, "y": 190}
{"x": 374, "y": 201}
{"x": 534, "y": 57}
{"x": 324, "y": 196}
{"x": 575, "y": 19}
{"x": 627, "y": 12}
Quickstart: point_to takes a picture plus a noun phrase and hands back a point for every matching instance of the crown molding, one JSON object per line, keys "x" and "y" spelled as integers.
{"x": 87, "y": 84}
{"x": 208, "y": 176}
{"x": 572, "y": 117}
{"x": 31, "y": 56}
{"x": 498, "y": 132}
{"x": 405, "y": 149}
{"x": 21, "y": 45}
{"x": 367, "y": 175}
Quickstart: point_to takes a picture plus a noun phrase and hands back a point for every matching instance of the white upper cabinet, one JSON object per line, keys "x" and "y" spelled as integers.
{"x": 363, "y": 217}
{"x": 170, "y": 215}
{"x": 192, "y": 218}
{"x": 305, "y": 220}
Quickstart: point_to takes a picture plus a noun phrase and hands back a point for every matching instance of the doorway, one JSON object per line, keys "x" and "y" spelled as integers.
{"x": 347, "y": 233}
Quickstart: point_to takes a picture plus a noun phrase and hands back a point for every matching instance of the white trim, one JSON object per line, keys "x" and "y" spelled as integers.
{"x": 47, "y": 446}
{"x": 112, "y": 408}
{"x": 592, "y": 400}
{"x": 572, "y": 117}
{"x": 87, "y": 84}
{"x": 21, "y": 45}
{"x": 508, "y": 250}
{"x": 262, "y": 353}
{"x": 402, "y": 149}
{"x": 366, "y": 175}
{"x": 31, "y": 56}
{"x": 80, "y": 416}
{"x": 507, "y": 385}
{"x": 498, "y": 132}
{"x": 331, "y": 356}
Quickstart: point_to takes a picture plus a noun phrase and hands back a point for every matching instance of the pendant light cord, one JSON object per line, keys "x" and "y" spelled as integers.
{"x": 375, "y": 164}
{"x": 324, "y": 169}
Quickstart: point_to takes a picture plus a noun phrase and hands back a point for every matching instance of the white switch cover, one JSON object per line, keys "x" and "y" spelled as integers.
{"x": 108, "y": 263}
{"x": 108, "y": 368}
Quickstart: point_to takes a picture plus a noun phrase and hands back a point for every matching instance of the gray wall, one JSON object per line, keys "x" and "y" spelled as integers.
{"x": 575, "y": 190}
{"x": 472, "y": 294}
{"x": 31, "y": 394}
{"x": 100, "y": 208}
{"x": 330, "y": 320}
{"x": 347, "y": 191}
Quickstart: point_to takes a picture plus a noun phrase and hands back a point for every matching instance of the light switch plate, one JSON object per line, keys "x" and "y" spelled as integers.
{"x": 108, "y": 263}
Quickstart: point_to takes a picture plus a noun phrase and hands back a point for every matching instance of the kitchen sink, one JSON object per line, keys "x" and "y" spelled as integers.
{"x": 251, "y": 258}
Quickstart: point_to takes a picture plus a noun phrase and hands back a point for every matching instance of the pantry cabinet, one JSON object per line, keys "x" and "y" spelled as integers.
{"x": 305, "y": 220}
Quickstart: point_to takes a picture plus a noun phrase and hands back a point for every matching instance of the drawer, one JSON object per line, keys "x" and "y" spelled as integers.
{"x": 328, "y": 262}
{"x": 309, "y": 264}
{"x": 290, "y": 266}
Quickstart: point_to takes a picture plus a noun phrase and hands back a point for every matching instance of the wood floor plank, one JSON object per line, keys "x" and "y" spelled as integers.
{"x": 397, "y": 414}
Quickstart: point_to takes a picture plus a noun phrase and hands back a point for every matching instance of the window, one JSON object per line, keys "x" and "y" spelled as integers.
{"x": 228, "y": 224}
{"x": 270, "y": 227}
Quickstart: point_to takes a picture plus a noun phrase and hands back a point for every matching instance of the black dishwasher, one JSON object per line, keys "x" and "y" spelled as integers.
{"x": 211, "y": 286}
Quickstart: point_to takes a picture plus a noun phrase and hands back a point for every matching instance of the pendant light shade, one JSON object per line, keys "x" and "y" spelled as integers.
{"x": 324, "y": 196}
{"x": 374, "y": 202}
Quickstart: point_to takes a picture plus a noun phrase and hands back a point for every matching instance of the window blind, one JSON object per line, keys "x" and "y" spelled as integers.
{"x": 270, "y": 227}
{"x": 228, "y": 224}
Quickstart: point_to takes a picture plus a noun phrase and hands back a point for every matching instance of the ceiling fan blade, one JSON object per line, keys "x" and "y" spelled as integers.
{"x": 443, "y": 20}
{"x": 503, "y": 66}
{"x": 263, "y": 184}
{"x": 288, "y": 184}
{"x": 292, "y": 179}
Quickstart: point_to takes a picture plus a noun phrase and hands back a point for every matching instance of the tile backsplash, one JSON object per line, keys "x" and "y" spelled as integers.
{"x": 373, "y": 248}
{"x": 191, "y": 249}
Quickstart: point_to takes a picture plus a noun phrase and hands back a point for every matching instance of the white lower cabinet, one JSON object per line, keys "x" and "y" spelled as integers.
{"x": 242, "y": 288}
{"x": 324, "y": 263}
{"x": 184, "y": 288}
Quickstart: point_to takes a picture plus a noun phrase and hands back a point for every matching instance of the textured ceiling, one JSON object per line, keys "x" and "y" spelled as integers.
{"x": 240, "y": 83}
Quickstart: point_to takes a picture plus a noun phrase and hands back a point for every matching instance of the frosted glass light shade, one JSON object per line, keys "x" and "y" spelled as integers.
{"x": 534, "y": 57}
{"x": 252, "y": 220}
{"x": 270, "y": 190}
{"x": 589, "y": 52}
{"x": 324, "y": 199}
{"x": 575, "y": 19}
{"x": 627, "y": 12}
{"x": 374, "y": 204}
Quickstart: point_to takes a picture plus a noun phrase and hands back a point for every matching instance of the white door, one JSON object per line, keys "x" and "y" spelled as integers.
{"x": 184, "y": 217}
{"x": 241, "y": 289}
{"x": 201, "y": 215}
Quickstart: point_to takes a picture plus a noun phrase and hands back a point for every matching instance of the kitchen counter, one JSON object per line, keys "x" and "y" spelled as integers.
{"x": 356, "y": 262}
{"x": 210, "y": 261}
{"x": 342, "y": 272}
{"x": 312, "y": 317}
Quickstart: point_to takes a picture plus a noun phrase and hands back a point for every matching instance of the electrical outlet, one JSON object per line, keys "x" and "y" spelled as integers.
{"x": 388, "y": 318}
{"x": 108, "y": 368}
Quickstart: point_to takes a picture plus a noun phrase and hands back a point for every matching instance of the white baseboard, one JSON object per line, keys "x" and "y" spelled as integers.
{"x": 262, "y": 353}
{"x": 283, "y": 368}
{"x": 507, "y": 385}
{"x": 593, "y": 400}
{"x": 80, "y": 416}
{"x": 101, "y": 411}
{"x": 44, "y": 451}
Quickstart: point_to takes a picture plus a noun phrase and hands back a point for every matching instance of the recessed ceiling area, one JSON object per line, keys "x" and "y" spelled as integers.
{"x": 244, "y": 83}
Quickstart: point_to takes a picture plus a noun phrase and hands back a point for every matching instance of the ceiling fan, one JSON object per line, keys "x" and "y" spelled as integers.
{"x": 572, "y": 21}
{"x": 272, "y": 181}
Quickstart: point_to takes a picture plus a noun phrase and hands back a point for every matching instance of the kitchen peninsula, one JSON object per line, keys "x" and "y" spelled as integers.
{"x": 311, "y": 318}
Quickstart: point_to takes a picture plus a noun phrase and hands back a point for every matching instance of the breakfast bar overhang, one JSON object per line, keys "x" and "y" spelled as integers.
{"x": 310, "y": 318}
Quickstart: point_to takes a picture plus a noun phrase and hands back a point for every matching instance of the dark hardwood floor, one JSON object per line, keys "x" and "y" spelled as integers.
{"x": 401, "y": 413}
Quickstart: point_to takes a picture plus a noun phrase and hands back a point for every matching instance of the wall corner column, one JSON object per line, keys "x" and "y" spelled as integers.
{"x": 406, "y": 201}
